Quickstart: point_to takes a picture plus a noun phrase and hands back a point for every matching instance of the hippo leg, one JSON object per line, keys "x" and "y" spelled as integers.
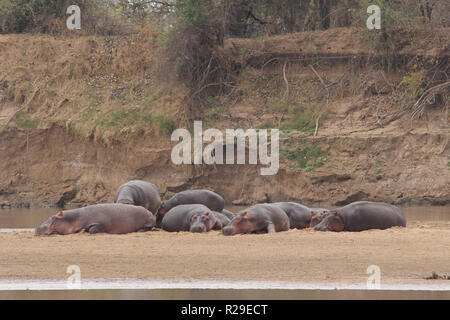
{"x": 270, "y": 228}
{"x": 145, "y": 229}
{"x": 95, "y": 228}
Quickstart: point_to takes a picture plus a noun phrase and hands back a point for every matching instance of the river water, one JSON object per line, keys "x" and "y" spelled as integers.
{"x": 31, "y": 218}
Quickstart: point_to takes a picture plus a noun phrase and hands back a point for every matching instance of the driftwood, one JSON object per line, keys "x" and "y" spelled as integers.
{"x": 327, "y": 88}
{"x": 285, "y": 79}
{"x": 419, "y": 107}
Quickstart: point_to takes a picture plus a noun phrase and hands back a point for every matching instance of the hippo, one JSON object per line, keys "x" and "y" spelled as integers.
{"x": 190, "y": 217}
{"x": 299, "y": 215}
{"x": 99, "y": 218}
{"x": 222, "y": 217}
{"x": 208, "y": 198}
{"x": 362, "y": 215}
{"x": 317, "y": 215}
{"x": 139, "y": 193}
{"x": 227, "y": 213}
{"x": 259, "y": 218}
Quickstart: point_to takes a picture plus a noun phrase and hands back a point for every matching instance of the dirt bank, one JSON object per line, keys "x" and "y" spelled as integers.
{"x": 45, "y": 166}
{"x": 403, "y": 254}
{"x": 92, "y": 116}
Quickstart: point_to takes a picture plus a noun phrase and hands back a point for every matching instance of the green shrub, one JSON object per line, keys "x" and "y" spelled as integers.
{"x": 268, "y": 124}
{"x": 24, "y": 121}
{"x": 305, "y": 156}
{"x": 21, "y": 15}
{"x": 414, "y": 82}
{"x": 98, "y": 16}
{"x": 165, "y": 124}
{"x": 303, "y": 120}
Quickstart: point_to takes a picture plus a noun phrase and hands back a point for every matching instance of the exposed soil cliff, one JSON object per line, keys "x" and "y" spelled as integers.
{"x": 79, "y": 117}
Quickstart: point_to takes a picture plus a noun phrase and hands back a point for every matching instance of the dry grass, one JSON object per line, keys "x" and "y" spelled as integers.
{"x": 95, "y": 86}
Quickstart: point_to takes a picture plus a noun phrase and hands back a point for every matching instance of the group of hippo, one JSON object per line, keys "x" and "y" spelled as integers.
{"x": 138, "y": 208}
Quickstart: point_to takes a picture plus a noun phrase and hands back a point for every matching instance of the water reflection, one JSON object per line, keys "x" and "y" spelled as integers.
{"x": 224, "y": 294}
{"x": 31, "y": 218}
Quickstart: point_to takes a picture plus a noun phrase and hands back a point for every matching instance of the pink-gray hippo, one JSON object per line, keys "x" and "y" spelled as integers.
{"x": 205, "y": 197}
{"x": 99, "y": 218}
{"x": 139, "y": 193}
{"x": 362, "y": 215}
{"x": 259, "y": 218}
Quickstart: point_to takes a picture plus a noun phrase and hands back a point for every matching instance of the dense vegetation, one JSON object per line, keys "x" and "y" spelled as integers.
{"x": 191, "y": 32}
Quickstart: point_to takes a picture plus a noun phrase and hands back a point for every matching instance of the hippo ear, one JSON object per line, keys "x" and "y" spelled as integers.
{"x": 247, "y": 215}
{"x": 337, "y": 214}
{"x": 60, "y": 215}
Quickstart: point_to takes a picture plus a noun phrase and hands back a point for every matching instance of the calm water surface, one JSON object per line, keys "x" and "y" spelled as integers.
{"x": 224, "y": 294}
{"x": 31, "y": 218}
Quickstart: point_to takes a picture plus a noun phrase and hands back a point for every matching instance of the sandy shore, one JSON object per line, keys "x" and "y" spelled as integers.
{"x": 403, "y": 255}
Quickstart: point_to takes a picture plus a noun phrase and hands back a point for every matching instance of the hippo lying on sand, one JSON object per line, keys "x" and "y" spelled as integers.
{"x": 208, "y": 198}
{"x": 222, "y": 217}
{"x": 227, "y": 213}
{"x": 258, "y": 218}
{"x": 190, "y": 217}
{"x": 99, "y": 218}
{"x": 139, "y": 193}
{"x": 299, "y": 215}
{"x": 317, "y": 215}
{"x": 362, "y": 215}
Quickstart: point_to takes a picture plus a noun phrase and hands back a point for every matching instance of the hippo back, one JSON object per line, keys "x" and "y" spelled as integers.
{"x": 269, "y": 212}
{"x": 299, "y": 215}
{"x": 365, "y": 215}
{"x": 141, "y": 193}
{"x": 208, "y": 198}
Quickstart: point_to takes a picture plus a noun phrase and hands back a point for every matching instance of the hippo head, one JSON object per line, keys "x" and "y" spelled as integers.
{"x": 317, "y": 217}
{"x": 333, "y": 221}
{"x": 43, "y": 228}
{"x": 57, "y": 224}
{"x": 241, "y": 223}
{"x": 126, "y": 201}
{"x": 202, "y": 222}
